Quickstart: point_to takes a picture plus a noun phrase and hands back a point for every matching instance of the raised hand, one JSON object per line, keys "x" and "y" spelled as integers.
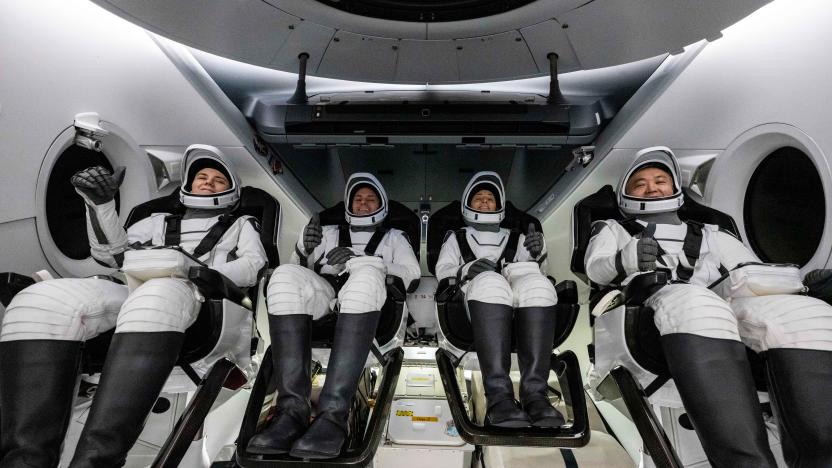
{"x": 647, "y": 250}
{"x": 339, "y": 256}
{"x": 478, "y": 266}
{"x": 534, "y": 241}
{"x": 312, "y": 234}
{"x": 97, "y": 184}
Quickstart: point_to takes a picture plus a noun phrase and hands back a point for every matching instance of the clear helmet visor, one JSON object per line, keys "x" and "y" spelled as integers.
{"x": 197, "y": 158}
{"x": 485, "y": 180}
{"x": 659, "y": 157}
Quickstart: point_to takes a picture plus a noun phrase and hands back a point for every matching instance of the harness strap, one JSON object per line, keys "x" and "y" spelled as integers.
{"x": 374, "y": 242}
{"x": 691, "y": 249}
{"x": 344, "y": 239}
{"x": 173, "y": 230}
{"x": 214, "y": 235}
{"x": 510, "y": 250}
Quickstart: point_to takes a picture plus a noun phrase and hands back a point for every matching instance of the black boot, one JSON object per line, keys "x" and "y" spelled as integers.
{"x": 291, "y": 355}
{"x": 37, "y": 386}
{"x": 354, "y": 335}
{"x": 714, "y": 380}
{"x": 137, "y": 366}
{"x": 800, "y": 382}
{"x": 535, "y": 327}
{"x": 491, "y": 325}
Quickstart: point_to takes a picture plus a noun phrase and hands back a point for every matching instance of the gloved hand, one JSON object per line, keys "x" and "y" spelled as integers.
{"x": 534, "y": 241}
{"x": 97, "y": 184}
{"x": 339, "y": 256}
{"x": 647, "y": 250}
{"x": 478, "y": 266}
{"x": 819, "y": 283}
{"x": 312, "y": 234}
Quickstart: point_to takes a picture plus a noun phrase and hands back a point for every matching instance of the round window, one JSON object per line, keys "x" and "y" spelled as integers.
{"x": 65, "y": 209}
{"x": 785, "y": 208}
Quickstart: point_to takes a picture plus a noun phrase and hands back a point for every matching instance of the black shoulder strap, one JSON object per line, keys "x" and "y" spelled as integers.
{"x": 344, "y": 239}
{"x": 378, "y": 235}
{"x": 691, "y": 248}
{"x": 214, "y": 235}
{"x": 464, "y": 247}
{"x": 510, "y": 250}
{"x": 632, "y": 226}
{"x": 173, "y": 230}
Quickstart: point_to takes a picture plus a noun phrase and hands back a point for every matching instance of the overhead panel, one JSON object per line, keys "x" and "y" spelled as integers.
{"x": 546, "y": 37}
{"x": 612, "y": 33}
{"x": 427, "y": 61}
{"x": 249, "y": 31}
{"x": 484, "y": 58}
{"x": 304, "y": 37}
{"x": 359, "y": 57}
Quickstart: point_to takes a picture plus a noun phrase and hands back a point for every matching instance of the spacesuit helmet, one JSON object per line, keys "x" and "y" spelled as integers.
{"x": 657, "y": 156}
{"x": 196, "y": 158}
{"x": 355, "y": 183}
{"x": 485, "y": 180}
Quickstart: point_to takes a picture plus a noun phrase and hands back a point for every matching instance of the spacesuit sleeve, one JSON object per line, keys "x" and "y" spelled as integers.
{"x": 251, "y": 257}
{"x": 450, "y": 259}
{"x": 523, "y": 255}
{"x": 108, "y": 239}
{"x": 731, "y": 252}
{"x": 404, "y": 265}
{"x": 299, "y": 256}
{"x": 603, "y": 260}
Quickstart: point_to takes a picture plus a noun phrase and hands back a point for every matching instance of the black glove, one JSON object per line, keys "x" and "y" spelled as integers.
{"x": 97, "y": 184}
{"x": 819, "y": 283}
{"x": 534, "y": 241}
{"x": 312, "y": 234}
{"x": 339, "y": 256}
{"x": 478, "y": 266}
{"x": 647, "y": 250}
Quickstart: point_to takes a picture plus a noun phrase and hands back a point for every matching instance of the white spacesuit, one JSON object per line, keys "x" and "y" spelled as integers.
{"x": 499, "y": 271}
{"x": 703, "y": 333}
{"x": 363, "y": 251}
{"x": 46, "y": 324}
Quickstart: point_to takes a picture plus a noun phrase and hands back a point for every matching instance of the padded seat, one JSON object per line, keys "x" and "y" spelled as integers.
{"x": 456, "y": 339}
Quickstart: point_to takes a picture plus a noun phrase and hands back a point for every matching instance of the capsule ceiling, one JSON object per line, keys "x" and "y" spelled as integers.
{"x": 512, "y": 42}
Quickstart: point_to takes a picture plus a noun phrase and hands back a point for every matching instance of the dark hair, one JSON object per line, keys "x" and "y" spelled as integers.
{"x": 652, "y": 165}
{"x": 203, "y": 163}
{"x": 361, "y": 186}
{"x": 484, "y": 186}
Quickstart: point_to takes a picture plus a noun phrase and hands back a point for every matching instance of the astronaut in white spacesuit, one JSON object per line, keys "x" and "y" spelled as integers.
{"x": 363, "y": 251}
{"x": 46, "y": 325}
{"x": 500, "y": 275}
{"x": 704, "y": 335}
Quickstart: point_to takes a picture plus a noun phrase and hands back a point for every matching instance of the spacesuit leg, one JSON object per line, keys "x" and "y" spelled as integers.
{"x": 489, "y": 300}
{"x": 360, "y": 301}
{"x": 795, "y": 332}
{"x": 535, "y": 321}
{"x": 710, "y": 367}
{"x": 148, "y": 338}
{"x": 43, "y": 331}
{"x": 295, "y": 295}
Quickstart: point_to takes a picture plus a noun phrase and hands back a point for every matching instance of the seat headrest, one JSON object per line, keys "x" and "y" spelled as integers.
{"x": 603, "y": 205}
{"x": 449, "y": 218}
{"x": 398, "y": 217}
{"x": 253, "y": 202}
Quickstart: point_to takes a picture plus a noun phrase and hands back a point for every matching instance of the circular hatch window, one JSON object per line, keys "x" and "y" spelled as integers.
{"x": 65, "y": 209}
{"x": 785, "y": 208}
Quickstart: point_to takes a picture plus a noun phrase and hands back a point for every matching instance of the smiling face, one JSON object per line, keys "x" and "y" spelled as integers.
{"x": 365, "y": 202}
{"x": 484, "y": 201}
{"x": 650, "y": 182}
{"x": 209, "y": 181}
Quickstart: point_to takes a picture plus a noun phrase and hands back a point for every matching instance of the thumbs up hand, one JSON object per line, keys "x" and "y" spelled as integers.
{"x": 534, "y": 241}
{"x": 312, "y": 234}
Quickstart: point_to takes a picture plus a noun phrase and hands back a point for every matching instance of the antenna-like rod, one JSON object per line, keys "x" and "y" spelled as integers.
{"x": 300, "y": 90}
{"x": 555, "y": 96}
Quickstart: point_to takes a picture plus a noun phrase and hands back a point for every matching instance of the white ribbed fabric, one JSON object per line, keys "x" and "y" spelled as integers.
{"x": 528, "y": 285}
{"x": 63, "y": 309}
{"x": 160, "y": 305}
{"x": 685, "y": 308}
{"x": 364, "y": 291}
{"x": 784, "y": 321}
{"x": 490, "y": 287}
{"x": 294, "y": 289}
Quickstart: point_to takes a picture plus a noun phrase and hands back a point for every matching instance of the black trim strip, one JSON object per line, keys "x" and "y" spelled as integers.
{"x": 96, "y": 227}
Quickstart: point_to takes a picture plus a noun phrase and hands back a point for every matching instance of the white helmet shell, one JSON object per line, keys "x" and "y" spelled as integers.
{"x": 656, "y": 155}
{"x": 355, "y": 182}
{"x": 488, "y": 180}
{"x": 198, "y": 157}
